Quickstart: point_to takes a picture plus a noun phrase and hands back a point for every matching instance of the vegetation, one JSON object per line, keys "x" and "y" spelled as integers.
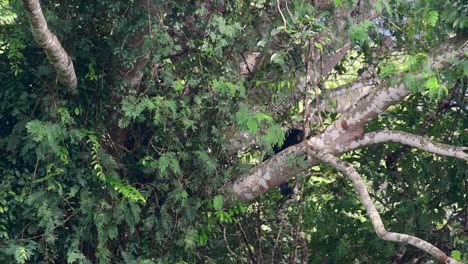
{"x": 143, "y": 131}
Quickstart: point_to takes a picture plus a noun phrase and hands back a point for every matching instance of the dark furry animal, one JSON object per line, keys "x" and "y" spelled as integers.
{"x": 293, "y": 137}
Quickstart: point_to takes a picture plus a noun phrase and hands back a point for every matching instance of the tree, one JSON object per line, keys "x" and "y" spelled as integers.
{"x": 147, "y": 144}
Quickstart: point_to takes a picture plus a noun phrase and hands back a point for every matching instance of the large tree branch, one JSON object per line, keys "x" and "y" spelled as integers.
{"x": 351, "y": 124}
{"x": 336, "y": 138}
{"x": 410, "y": 140}
{"x": 374, "y": 215}
{"x": 344, "y": 97}
{"x": 47, "y": 40}
{"x": 324, "y": 64}
{"x": 338, "y": 100}
{"x": 319, "y": 66}
{"x": 360, "y": 102}
{"x": 266, "y": 175}
{"x": 133, "y": 76}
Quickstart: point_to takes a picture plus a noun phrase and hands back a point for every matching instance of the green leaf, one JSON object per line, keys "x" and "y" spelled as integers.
{"x": 277, "y": 30}
{"x": 263, "y": 117}
{"x": 432, "y": 84}
{"x": 22, "y": 254}
{"x": 246, "y": 120}
{"x": 456, "y": 254}
{"x": 388, "y": 69}
{"x": 432, "y": 17}
{"x": 359, "y": 32}
{"x": 262, "y": 43}
{"x": 228, "y": 88}
{"x": 168, "y": 161}
{"x": 277, "y": 58}
{"x": 179, "y": 85}
{"x": 318, "y": 45}
{"x": 181, "y": 197}
{"x": 37, "y": 130}
{"x": 465, "y": 67}
{"x": 388, "y": 8}
{"x": 209, "y": 164}
{"x": 274, "y": 136}
{"x": 412, "y": 82}
{"x": 337, "y": 3}
{"x": 76, "y": 257}
{"x": 218, "y": 202}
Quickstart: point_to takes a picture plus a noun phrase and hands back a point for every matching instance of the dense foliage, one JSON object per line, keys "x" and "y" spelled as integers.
{"x": 108, "y": 174}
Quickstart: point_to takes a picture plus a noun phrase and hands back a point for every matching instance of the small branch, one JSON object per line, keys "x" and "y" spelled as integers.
{"x": 47, "y": 40}
{"x": 35, "y": 169}
{"x": 258, "y": 231}
{"x": 281, "y": 13}
{"x": 412, "y": 140}
{"x": 298, "y": 223}
{"x": 253, "y": 258}
{"x": 227, "y": 243}
{"x": 133, "y": 76}
{"x": 374, "y": 215}
{"x": 273, "y": 251}
{"x": 311, "y": 83}
{"x": 249, "y": 72}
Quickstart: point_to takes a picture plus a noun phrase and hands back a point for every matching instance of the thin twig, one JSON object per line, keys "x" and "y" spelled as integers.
{"x": 227, "y": 244}
{"x": 259, "y": 234}
{"x": 298, "y": 223}
{"x": 276, "y": 244}
{"x": 281, "y": 13}
{"x": 246, "y": 242}
{"x": 289, "y": 11}
{"x": 35, "y": 169}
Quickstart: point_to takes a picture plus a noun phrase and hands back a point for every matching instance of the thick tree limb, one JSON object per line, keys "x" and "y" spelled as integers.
{"x": 374, "y": 215}
{"x": 344, "y": 97}
{"x": 410, "y": 140}
{"x": 132, "y": 76}
{"x": 322, "y": 63}
{"x": 319, "y": 64}
{"x": 351, "y": 124}
{"x": 47, "y": 40}
{"x": 361, "y": 101}
{"x": 266, "y": 175}
{"x": 337, "y": 137}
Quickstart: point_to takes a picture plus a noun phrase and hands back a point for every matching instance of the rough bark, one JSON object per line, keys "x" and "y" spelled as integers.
{"x": 345, "y": 134}
{"x": 358, "y": 103}
{"x": 317, "y": 66}
{"x": 336, "y": 138}
{"x": 132, "y": 76}
{"x": 408, "y": 139}
{"x": 47, "y": 40}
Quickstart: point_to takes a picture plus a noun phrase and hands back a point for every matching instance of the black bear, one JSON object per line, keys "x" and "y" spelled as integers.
{"x": 293, "y": 137}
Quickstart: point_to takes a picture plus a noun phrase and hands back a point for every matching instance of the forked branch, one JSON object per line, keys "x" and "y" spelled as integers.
{"x": 364, "y": 197}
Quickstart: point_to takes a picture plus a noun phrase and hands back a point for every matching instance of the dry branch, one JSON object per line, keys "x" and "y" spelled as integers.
{"x": 374, "y": 215}
{"x": 412, "y": 140}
